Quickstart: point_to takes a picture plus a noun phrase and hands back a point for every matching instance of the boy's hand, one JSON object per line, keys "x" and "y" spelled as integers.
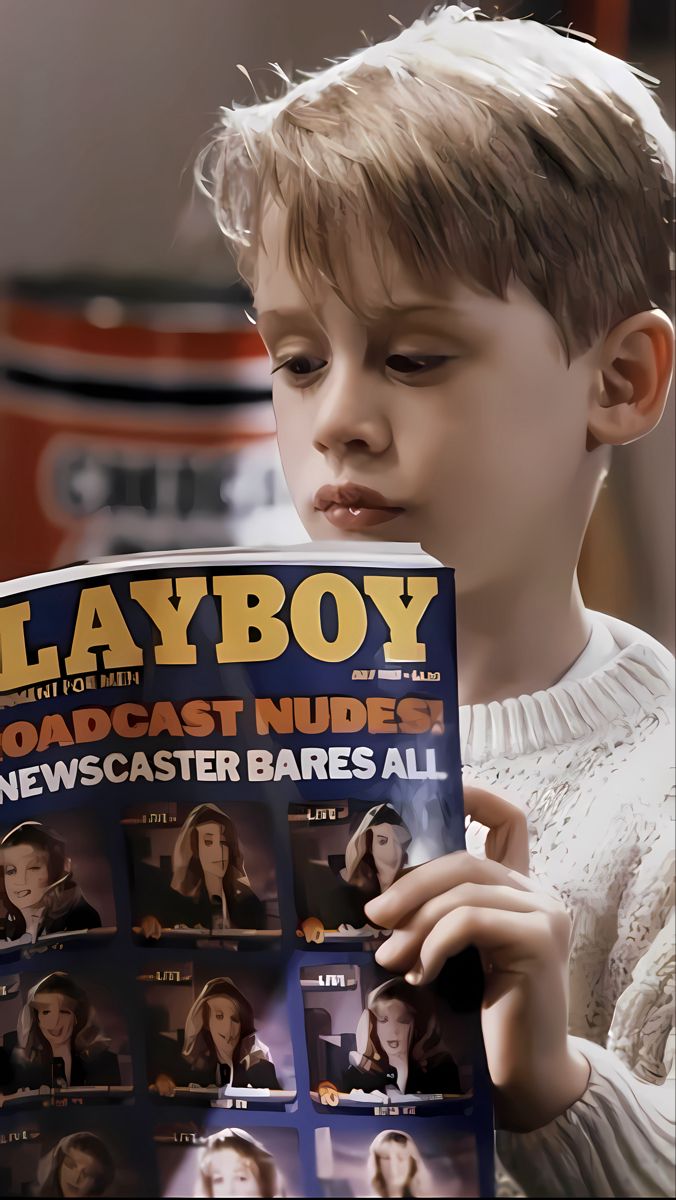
{"x": 523, "y": 938}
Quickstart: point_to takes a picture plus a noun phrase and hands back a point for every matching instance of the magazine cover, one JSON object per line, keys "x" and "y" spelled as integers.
{"x": 210, "y": 762}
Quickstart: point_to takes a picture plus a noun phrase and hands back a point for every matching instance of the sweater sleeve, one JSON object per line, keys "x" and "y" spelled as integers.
{"x": 618, "y": 1138}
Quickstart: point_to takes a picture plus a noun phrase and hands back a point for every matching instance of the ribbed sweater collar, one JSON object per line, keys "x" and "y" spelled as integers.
{"x": 638, "y": 675}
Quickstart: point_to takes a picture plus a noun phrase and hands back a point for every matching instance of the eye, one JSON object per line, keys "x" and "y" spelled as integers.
{"x": 301, "y": 365}
{"x": 415, "y": 364}
{"x": 10, "y": 871}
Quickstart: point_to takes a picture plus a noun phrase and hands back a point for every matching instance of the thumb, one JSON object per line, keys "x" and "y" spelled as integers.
{"x": 507, "y": 840}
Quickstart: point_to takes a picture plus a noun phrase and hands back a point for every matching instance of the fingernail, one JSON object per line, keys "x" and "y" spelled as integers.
{"x": 415, "y": 974}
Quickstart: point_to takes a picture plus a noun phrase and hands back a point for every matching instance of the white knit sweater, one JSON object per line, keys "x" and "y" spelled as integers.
{"x": 591, "y": 761}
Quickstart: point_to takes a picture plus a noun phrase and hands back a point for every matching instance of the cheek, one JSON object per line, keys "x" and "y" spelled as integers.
{"x": 294, "y": 438}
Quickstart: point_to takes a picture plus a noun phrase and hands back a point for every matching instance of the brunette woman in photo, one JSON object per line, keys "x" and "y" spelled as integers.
{"x": 59, "y": 1043}
{"x": 334, "y": 896}
{"x": 220, "y": 1045}
{"x": 400, "y": 1045}
{"x": 209, "y": 886}
{"x": 79, "y": 1165}
{"x": 37, "y": 888}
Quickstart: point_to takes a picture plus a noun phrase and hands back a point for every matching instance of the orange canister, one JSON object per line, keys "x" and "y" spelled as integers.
{"x": 133, "y": 417}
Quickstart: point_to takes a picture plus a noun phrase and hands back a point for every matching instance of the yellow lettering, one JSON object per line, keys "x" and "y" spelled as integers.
{"x": 15, "y": 669}
{"x": 155, "y": 596}
{"x": 99, "y": 625}
{"x": 239, "y": 617}
{"x": 387, "y": 593}
{"x": 307, "y": 622}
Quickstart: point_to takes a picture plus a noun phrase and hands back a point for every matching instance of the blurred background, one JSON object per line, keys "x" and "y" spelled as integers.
{"x": 134, "y": 392}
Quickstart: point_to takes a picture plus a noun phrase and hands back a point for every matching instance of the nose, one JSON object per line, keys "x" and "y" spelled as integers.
{"x": 350, "y": 416}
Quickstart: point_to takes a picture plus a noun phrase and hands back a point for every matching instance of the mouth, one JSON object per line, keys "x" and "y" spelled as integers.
{"x": 393, "y": 1045}
{"x": 349, "y": 506}
{"x": 23, "y": 894}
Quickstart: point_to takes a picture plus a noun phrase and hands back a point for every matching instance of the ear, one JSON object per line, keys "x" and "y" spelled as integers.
{"x": 636, "y": 361}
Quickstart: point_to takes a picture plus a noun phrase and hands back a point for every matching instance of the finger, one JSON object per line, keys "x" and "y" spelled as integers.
{"x": 402, "y": 948}
{"x": 509, "y": 940}
{"x": 440, "y": 875}
{"x": 507, "y": 840}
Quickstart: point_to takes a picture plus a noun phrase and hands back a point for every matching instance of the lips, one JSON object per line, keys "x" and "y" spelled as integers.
{"x": 350, "y": 507}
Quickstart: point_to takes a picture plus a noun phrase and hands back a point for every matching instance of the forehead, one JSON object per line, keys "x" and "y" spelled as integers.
{"x": 50, "y": 998}
{"x": 376, "y": 288}
{"x": 211, "y": 829}
{"x": 369, "y": 271}
{"x": 81, "y": 1157}
{"x": 392, "y": 1008}
{"x": 221, "y": 1002}
{"x": 383, "y": 830}
{"x": 23, "y": 853}
{"x": 391, "y": 1147}
{"x": 229, "y": 1156}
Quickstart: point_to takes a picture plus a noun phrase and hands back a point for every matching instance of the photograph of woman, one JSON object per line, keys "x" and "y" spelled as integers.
{"x": 78, "y": 1165}
{"x": 333, "y": 896}
{"x": 220, "y": 1046}
{"x": 400, "y": 1046}
{"x": 59, "y": 1043}
{"x": 396, "y": 1168}
{"x": 234, "y": 1163}
{"x": 38, "y": 891}
{"x": 209, "y": 887}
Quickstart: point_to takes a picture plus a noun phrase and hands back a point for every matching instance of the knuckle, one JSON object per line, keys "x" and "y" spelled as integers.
{"x": 463, "y": 917}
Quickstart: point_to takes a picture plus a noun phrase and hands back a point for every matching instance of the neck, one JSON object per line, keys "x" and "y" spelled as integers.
{"x": 60, "y": 1049}
{"x": 518, "y": 637}
{"x": 213, "y": 883}
{"x": 33, "y": 915}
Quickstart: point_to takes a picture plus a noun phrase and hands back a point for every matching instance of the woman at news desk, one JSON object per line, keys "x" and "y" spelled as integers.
{"x": 38, "y": 892}
{"x": 59, "y": 1043}
{"x": 400, "y": 1046}
{"x": 220, "y": 1045}
{"x": 209, "y": 887}
{"x": 375, "y": 856}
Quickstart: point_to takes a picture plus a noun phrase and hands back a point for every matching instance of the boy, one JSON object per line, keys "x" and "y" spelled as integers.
{"x": 458, "y": 247}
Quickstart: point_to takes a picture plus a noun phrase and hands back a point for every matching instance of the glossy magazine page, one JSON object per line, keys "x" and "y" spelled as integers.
{"x": 210, "y": 763}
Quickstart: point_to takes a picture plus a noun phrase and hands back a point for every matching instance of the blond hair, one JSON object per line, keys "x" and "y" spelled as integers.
{"x": 484, "y": 148}
{"x": 418, "y": 1182}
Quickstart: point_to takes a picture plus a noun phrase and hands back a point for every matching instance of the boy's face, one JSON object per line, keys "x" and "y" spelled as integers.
{"x": 450, "y": 417}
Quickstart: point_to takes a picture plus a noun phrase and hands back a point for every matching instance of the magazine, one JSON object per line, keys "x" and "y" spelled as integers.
{"x": 210, "y": 762}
